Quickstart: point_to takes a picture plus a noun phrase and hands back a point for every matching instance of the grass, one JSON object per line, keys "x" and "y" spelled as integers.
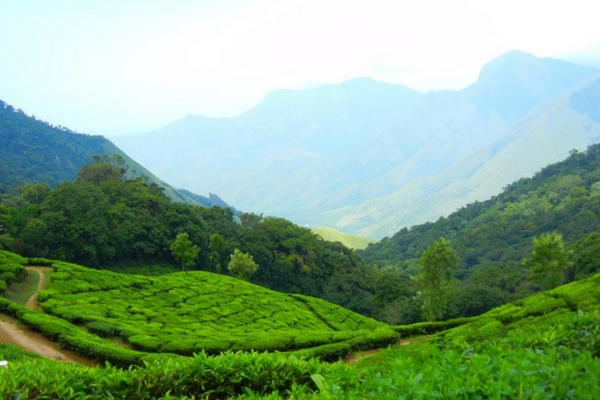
{"x": 20, "y": 292}
{"x": 348, "y": 240}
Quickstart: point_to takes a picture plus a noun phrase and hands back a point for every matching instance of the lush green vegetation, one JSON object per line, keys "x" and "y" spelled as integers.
{"x": 104, "y": 219}
{"x": 544, "y": 347}
{"x": 11, "y": 269}
{"x": 34, "y": 151}
{"x": 494, "y": 239}
{"x": 187, "y": 313}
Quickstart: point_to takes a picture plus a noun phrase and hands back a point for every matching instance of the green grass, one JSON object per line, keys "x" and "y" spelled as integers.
{"x": 20, "y": 292}
{"x": 348, "y": 240}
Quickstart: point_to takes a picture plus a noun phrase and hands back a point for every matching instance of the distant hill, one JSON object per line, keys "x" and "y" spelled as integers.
{"x": 563, "y": 197}
{"x": 342, "y": 155}
{"x": 545, "y": 135}
{"x": 350, "y": 241}
{"x": 34, "y": 151}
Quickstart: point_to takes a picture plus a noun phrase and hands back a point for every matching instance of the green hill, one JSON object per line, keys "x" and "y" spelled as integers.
{"x": 493, "y": 238}
{"x": 348, "y": 240}
{"x": 34, "y": 151}
{"x": 186, "y": 313}
{"x": 545, "y": 346}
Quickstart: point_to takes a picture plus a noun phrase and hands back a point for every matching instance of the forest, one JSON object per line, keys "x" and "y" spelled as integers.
{"x": 507, "y": 287}
{"x": 110, "y": 220}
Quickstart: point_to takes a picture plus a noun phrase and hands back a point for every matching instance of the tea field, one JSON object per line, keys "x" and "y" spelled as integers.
{"x": 185, "y": 313}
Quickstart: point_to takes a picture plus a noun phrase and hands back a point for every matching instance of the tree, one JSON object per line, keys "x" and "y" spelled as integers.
{"x": 184, "y": 251}
{"x": 242, "y": 265}
{"x": 217, "y": 246}
{"x": 587, "y": 255}
{"x": 548, "y": 260}
{"x": 437, "y": 265}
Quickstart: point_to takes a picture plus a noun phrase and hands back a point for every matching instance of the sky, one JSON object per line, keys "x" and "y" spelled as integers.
{"x": 116, "y": 67}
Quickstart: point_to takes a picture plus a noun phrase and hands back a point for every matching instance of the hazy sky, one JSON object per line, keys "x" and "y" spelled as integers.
{"x": 110, "y": 67}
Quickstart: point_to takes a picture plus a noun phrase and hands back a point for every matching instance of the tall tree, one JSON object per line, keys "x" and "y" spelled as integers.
{"x": 184, "y": 251}
{"x": 437, "y": 266}
{"x": 242, "y": 265}
{"x": 549, "y": 260}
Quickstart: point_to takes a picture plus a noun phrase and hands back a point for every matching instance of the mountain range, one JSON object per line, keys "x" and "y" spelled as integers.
{"x": 370, "y": 158}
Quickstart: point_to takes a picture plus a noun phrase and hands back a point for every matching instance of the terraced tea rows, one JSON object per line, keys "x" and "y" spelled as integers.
{"x": 186, "y": 313}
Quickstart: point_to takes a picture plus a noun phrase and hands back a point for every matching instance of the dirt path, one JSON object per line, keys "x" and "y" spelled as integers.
{"x": 354, "y": 357}
{"x": 32, "y": 301}
{"x": 12, "y": 332}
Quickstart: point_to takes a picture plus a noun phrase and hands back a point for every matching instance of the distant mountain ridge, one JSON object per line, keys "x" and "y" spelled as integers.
{"x": 33, "y": 151}
{"x": 343, "y": 155}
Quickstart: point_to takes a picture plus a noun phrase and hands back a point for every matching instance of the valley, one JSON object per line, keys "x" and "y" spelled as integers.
{"x": 483, "y": 282}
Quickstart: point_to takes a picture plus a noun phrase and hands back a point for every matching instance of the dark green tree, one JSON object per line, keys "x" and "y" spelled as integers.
{"x": 217, "y": 247}
{"x": 437, "y": 266}
{"x": 587, "y": 255}
{"x": 184, "y": 251}
{"x": 549, "y": 260}
{"x": 242, "y": 265}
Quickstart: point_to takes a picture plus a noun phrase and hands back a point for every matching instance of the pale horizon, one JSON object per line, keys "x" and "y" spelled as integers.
{"x": 127, "y": 67}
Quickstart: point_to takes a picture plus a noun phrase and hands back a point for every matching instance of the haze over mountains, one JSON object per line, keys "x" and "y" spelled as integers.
{"x": 369, "y": 157}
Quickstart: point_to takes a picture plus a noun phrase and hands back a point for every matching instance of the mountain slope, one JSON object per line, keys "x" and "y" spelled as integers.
{"x": 545, "y": 135}
{"x": 304, "y": 154}
{"x": 33, "y": 151}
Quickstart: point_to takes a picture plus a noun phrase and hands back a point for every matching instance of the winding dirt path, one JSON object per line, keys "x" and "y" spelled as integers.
{"x": 352, "y": 358}
{"x": 12, "y": 332}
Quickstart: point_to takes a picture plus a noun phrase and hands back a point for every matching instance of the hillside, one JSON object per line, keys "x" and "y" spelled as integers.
{"x": 107, "y": 220}
{"x": 186, "y": 313}
{"x": 350, "y": 241}
{"x": 34, "y": 152}
{"x": 325, "y": 156}
{"x": 545, "y": 135}
{"x": 494, "y": 238}
{"x": 542, "y": 347}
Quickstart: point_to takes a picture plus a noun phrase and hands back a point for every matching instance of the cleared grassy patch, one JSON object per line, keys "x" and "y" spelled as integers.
{"x": 20, "y": 292}
{"x": 348, "y": 240}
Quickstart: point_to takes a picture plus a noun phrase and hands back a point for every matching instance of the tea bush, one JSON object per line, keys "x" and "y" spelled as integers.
{"x": 185, "y": 313}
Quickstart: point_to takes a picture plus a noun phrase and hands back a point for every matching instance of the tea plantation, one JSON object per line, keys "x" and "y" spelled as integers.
{"x": 546, "y": 346}
{"x": 185, "y": 313}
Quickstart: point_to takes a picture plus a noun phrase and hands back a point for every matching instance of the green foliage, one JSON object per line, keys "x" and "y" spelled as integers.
{"x": 107, "y": 219}
{"x": 11, "y": 269}
{"x": 184, "y": 251}
{"x": 587, "y": 255}
{"x": 242, "y": 265}
{"x": 548, "y": 260}
{"x": 492, "y": 238}
{"x": 186, "y": 313}
{"x": 437, "y": 266}
{"x": 546, "y": 346}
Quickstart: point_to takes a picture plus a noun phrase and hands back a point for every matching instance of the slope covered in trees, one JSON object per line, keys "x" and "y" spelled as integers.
{"x": 493, "y": 238}
{"x": 34, "y": 151}
{"x": 104, "y": 219}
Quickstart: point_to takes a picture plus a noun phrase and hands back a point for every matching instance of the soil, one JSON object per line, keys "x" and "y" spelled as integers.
{"x": 12, "y": 332}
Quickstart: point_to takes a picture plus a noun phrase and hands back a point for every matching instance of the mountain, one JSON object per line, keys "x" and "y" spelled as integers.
{"x": 33, "y": 151}
{"x": 545, "y": 135}
{"x": 338, "y": 154}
